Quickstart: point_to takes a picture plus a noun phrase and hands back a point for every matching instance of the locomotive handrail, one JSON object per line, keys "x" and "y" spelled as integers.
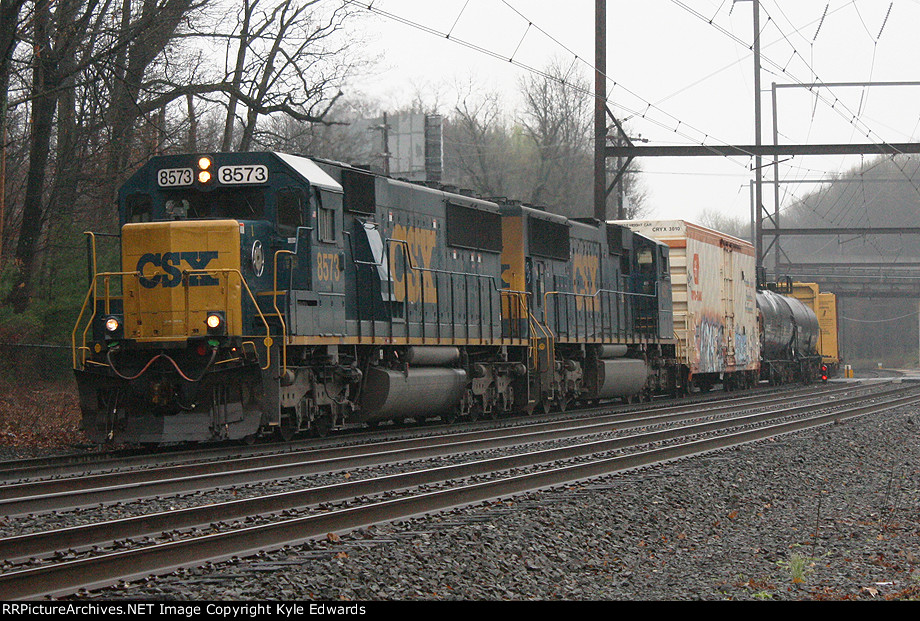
{"x": 185, "y": 274}
{"x": 549, "y": 337}
{"x": 91, "y": 242}
{"x": 230, "y": 270}
{"x": 278, "y": 311}
{"x": 595, "y": 294}
{"x": 407, "y": 256}
{"x": 521, "y": 297}
{"x": 90, "y": 292}
{"x": 411, "y": 266}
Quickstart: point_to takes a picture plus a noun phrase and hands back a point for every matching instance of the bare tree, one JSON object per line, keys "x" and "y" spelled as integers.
{"x": 10, "y": 11}
{"x": 143, "y": 37}
{"x": 478, "y": 145}
{"x": 719, "y": 221}
{"x": 106, "y": 83}
{"x": 290, "y": 58}
{"x": 57, "y": 30}
{"x": 345, "y": 137}
{"x": 557, "y": 119}
{"x": 72, "y": 47}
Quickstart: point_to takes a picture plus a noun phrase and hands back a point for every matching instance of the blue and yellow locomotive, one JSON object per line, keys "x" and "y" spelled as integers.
{"x": 265, "y": 292}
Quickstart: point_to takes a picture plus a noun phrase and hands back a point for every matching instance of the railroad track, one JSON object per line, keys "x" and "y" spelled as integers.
{"x": 548, "y": 454}
{"x": 87, "y": 489}
{"x": 82, "y": 462}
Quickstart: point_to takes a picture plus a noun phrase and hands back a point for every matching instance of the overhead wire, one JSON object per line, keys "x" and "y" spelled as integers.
{"x": 855, "y": 121}
{"x": 843, "y": 111}
{"x": 671, "y": 123}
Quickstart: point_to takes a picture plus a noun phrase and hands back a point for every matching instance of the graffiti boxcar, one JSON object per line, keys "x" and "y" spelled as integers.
{"x": 715, "y": 310}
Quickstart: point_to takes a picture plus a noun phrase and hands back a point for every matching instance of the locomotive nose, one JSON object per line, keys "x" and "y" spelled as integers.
{"x": 195, "y": 264}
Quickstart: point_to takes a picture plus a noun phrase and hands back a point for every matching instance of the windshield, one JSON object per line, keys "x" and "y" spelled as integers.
{"x": 235, "y": 204}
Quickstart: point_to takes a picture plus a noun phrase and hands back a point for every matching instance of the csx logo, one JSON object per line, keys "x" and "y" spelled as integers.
{"x": 169, "y": 262}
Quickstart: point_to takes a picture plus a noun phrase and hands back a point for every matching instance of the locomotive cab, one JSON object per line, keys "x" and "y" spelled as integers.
{"x": 287, "y": 212}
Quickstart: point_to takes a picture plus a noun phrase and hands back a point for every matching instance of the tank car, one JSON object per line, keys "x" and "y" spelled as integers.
{"x": 269, "y": 293}
{"x": 824, "y": 305}
{"x": 789, "y": 338}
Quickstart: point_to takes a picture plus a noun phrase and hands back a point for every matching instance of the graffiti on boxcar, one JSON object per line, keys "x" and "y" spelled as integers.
{"x": 709, "y": 338}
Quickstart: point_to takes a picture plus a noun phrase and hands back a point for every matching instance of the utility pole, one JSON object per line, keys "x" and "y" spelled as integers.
{"x": 758, "y": 161}
{"x": 384, "y": 130}
{"x": 758, "y": 171}
{"x": 600, "y": 110}
{"x": 386, "y": 145}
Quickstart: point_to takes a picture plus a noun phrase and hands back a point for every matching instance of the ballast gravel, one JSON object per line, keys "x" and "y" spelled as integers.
{"x": 832, "y": 513}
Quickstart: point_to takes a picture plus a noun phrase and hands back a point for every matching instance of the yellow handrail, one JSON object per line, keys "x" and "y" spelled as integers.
{"x": 107, "y": 275}
{"x": 90, "y": 292}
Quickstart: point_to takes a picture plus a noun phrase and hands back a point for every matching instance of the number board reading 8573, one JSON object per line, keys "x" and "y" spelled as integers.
{"x": 236, "y": 175}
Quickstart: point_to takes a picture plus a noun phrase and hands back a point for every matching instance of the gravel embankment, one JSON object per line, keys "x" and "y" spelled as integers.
{"x": 828, "y": 514}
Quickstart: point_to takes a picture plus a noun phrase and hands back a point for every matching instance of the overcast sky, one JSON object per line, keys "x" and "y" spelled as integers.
{"x": 692, "y": 79}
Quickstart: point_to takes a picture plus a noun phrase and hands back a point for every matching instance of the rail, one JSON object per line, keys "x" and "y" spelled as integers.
{"x": 568, "y": 464}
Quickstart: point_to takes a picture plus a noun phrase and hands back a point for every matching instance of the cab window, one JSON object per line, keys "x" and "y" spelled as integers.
{"x": 325, "y": 219}
{"x": 290, "y": 210}
{"x": 646, "y": 260}
{"x": 138, "y": 208}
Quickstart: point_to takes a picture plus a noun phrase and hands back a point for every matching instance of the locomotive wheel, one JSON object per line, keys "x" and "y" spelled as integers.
{"x": 286, "y": 432}
{"x": 321, "y": 426}
{"x": 450, "y": 417}
{"x": 288, "y": 426}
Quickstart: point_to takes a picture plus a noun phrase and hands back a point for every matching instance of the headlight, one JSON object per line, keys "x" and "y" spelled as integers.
{"x": 113, "y": 325}
{"x": 216, "y": 322}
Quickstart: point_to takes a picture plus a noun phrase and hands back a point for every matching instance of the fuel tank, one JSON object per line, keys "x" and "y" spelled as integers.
{"x": 617, "y": 377}
{"x": 421, "y": 391}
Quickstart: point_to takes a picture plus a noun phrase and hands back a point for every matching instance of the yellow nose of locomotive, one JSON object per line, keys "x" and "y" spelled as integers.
{"x": 187, "y": 272}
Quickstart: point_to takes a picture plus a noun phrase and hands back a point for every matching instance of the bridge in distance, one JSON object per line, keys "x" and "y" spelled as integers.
{"x": 860, "y": 279}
